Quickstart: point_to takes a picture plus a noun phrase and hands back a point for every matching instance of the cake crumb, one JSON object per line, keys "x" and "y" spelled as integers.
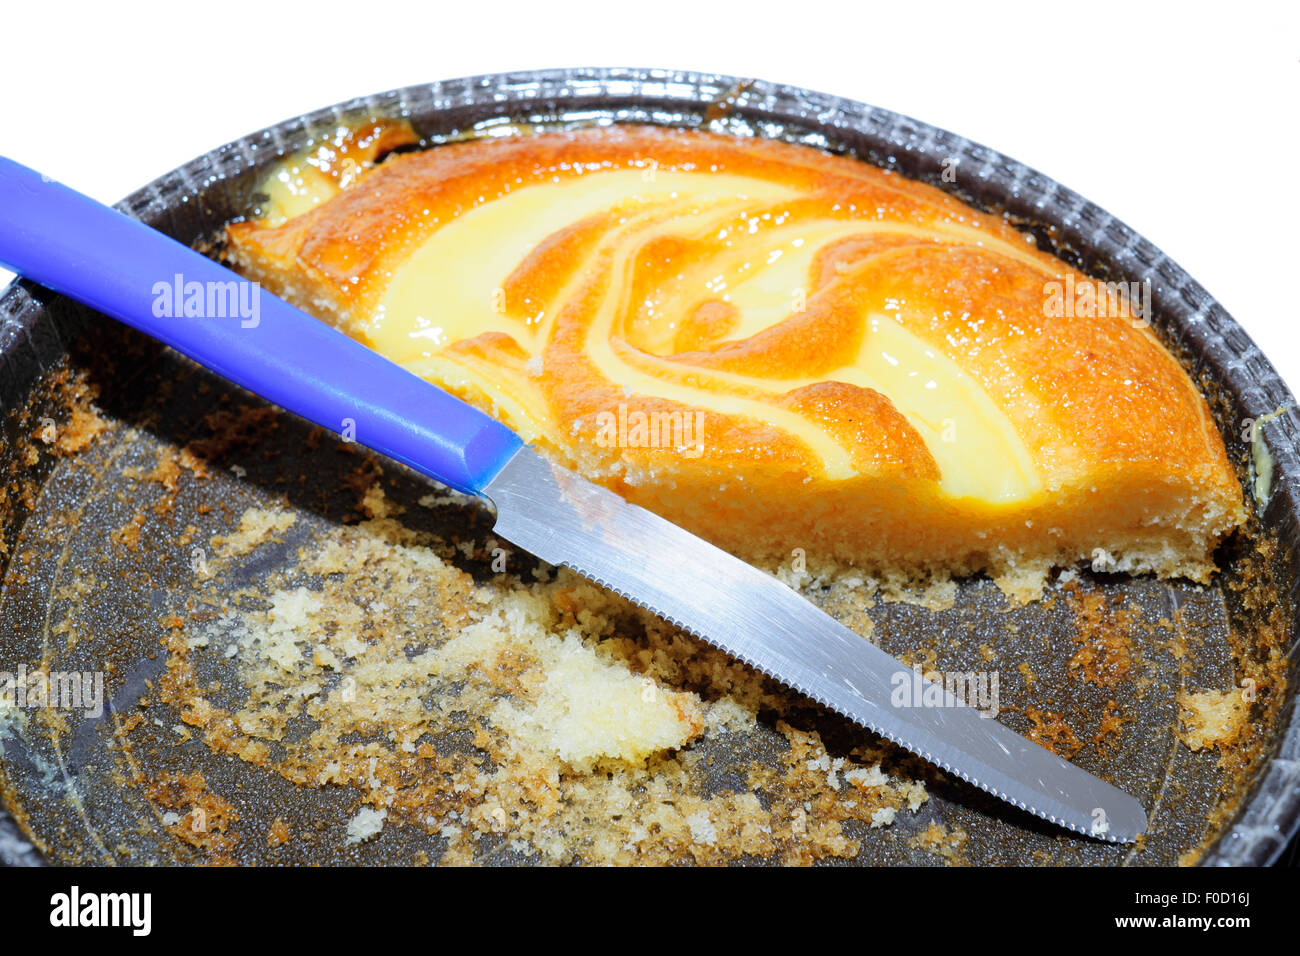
{"x": 366, "y": 824}
{"x": 1212, "y": 718}
{"x": 256, "y": 526}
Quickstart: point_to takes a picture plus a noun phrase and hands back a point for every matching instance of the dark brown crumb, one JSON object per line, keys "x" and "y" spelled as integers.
{"x": 1051, "y": 731}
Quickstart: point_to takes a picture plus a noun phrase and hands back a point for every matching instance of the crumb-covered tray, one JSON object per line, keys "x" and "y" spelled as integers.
{"x": 311, "y": 656}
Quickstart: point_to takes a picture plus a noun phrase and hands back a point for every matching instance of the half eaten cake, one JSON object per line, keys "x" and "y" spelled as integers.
{"x": 773, "y": 347}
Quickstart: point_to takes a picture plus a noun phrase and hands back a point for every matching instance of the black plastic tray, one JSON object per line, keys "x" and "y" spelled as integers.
{"x": 38, "y": 330}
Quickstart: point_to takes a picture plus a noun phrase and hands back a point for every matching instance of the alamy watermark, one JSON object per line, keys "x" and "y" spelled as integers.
{"x": 133, "y": 911}
{"x": 60, "y": 690}
{"x": 1093, "y": 299}
{"x": 235, "y": 299}
{"x": 978, "y": 689}
{"x": 682, "y": 432}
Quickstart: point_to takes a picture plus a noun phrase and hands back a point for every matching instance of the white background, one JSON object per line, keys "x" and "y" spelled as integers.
{"x": 1183, "y": 120}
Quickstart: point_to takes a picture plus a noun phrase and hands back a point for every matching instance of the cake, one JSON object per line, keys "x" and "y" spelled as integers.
{"x": 784, "y": 351}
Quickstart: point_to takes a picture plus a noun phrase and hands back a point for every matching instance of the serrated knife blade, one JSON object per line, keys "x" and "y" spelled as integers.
{"x": 566, "y": 520}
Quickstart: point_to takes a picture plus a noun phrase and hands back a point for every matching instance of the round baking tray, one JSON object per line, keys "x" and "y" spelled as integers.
{"x": 194, "y": 202}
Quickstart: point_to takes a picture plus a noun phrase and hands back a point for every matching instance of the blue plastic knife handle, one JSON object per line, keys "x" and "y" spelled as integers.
{"x": 122, "y": 268}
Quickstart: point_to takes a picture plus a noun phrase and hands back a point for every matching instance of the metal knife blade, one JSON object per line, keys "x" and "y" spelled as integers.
{"x": 566, "y": 520}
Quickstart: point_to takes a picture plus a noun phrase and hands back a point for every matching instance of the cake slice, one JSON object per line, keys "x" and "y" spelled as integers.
{"x": 783, "y": 351}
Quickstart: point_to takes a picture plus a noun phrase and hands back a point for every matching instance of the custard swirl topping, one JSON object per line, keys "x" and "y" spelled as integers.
{"x": 812, "y": 313}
